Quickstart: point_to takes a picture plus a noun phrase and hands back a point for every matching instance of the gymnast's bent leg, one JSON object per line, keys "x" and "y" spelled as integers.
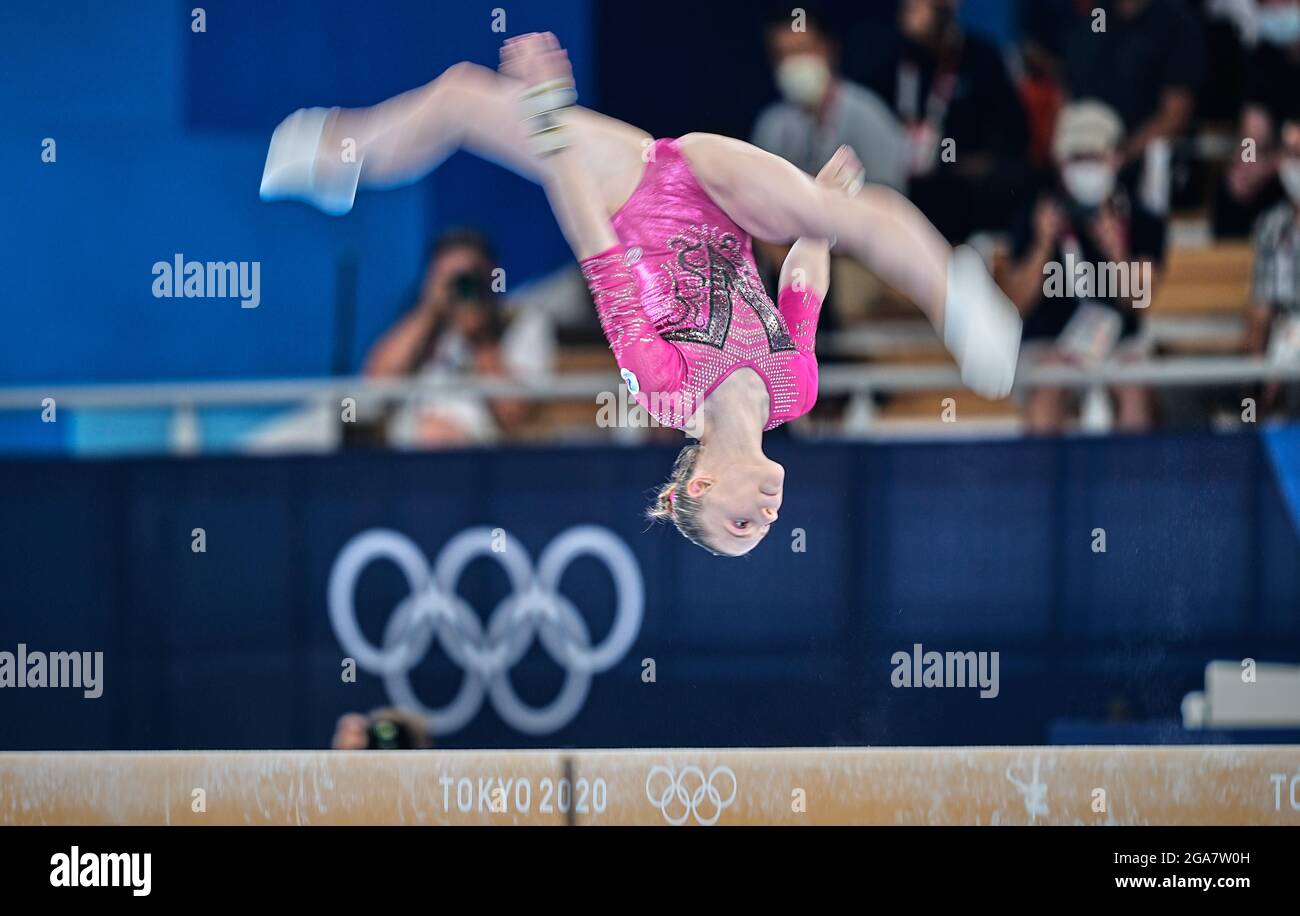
{"x": 323, "y": 155}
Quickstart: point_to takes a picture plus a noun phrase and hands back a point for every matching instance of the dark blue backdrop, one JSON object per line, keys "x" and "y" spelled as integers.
{"x": 959, "y": 547}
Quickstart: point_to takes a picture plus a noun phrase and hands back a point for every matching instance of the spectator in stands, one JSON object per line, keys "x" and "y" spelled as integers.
{"x": 457, "y": 329}
{"x": 1270, "y": 97}
{"x": 1039, "y": 81}
{"x": 965, "y": 126}
{"x": 1088, "y": 219}
{"x": 1225, "y": 25}
{"x": 819, "y": 111}
{"x": 1144, "y": 59}
{"x": 1273, "y": 322}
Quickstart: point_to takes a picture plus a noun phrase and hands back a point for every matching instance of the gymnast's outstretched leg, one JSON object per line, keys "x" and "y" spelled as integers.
{"x": 322, "y": 155}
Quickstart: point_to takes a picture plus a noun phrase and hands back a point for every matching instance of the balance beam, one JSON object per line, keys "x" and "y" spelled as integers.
{"x": 1207, "y": 785}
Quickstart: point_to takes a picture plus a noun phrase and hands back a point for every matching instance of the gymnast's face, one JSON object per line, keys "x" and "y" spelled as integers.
{"x": 738, "y": 502}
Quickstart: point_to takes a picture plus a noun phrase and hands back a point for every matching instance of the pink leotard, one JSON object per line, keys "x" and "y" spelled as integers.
{"x": 682, "y": 305}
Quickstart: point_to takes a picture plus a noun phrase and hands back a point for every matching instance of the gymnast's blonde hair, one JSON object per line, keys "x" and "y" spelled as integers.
{"x": 673, "y": 503}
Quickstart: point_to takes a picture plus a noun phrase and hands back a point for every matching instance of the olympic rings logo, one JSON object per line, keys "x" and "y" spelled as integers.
{"x": 680, "y": 796}
{"x": 535, "y": 608}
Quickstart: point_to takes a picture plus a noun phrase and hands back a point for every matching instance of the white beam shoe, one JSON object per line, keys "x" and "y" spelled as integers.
{"x": 981, "y": 328}
{"x": 292, "y": 173}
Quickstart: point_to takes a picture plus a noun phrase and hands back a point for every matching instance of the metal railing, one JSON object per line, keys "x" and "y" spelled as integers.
{"x": 834, "y": 380}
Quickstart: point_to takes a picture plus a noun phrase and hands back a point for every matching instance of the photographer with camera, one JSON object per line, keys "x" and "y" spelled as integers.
{"x": 457, "y": 329}
{"x": 386, "y": 729}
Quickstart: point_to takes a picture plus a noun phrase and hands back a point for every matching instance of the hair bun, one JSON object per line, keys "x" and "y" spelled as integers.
{"x": 663, "y": 504}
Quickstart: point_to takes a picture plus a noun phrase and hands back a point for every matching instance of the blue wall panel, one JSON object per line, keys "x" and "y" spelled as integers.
{"x": 959, "y": 547}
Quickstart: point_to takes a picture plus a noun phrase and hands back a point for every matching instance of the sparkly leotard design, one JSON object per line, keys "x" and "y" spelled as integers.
{"x": 682, "y": 305}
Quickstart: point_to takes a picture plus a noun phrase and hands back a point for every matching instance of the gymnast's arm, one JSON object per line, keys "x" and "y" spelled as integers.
{"x": 805, "y": 277}
{"x": 806, "y": 272}
{"x": 655, "y": 364}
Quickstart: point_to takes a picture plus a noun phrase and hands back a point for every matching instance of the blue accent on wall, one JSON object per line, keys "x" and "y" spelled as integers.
{"x": 1283, "y": 446}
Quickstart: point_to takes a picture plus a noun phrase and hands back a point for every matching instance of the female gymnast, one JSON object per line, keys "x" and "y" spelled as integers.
{"x": 664, "y": 231}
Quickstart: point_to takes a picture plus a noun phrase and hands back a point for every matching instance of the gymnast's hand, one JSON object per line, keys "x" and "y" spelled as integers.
{"x": 843, "y": 172}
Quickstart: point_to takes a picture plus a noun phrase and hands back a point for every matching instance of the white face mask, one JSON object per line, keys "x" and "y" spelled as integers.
{"x": 803, "y": 78}
{"x": 1279, "y": 25}
{"x": 1289, "y": 172}
{"x": 1089, "y": 182}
